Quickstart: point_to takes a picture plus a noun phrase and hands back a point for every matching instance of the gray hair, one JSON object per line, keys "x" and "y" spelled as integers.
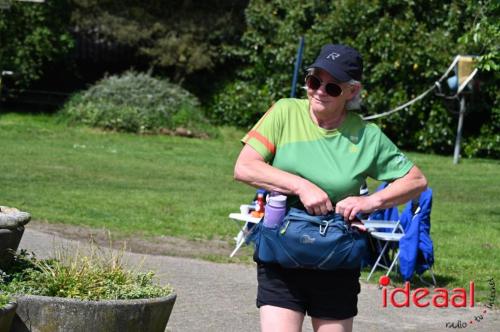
{"x": 355, "y": 102}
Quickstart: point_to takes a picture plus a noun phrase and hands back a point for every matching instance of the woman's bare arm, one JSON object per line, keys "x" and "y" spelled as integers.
{"x": 398, "y": 192}
{"x": 253, "y": 170}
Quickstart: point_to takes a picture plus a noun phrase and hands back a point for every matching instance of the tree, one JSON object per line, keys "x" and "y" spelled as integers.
{"x": 176, "y": 37}
{"x": 406, "y": 46}
{"x": 32, "y": 35}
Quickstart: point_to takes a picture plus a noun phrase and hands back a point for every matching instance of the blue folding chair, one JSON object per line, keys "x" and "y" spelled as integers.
{"x": 384, "y": 240}
{"x": 411, "y": 236}
{"x": 416, "y": 247}
{"x": 384, "y": 220}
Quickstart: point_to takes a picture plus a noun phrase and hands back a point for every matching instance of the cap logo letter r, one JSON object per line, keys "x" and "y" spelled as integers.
{"x": 332, "y": 56}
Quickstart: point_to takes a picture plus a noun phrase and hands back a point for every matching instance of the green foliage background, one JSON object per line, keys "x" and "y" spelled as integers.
{"x": 176, "y": 37}
{"x": 406, "y": 45}
{"x": 238, "y": 56}
{"x": 33, "y": 35}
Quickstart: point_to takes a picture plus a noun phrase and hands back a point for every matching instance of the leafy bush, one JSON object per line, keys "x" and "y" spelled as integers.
{"x": 230, "y": 103}
{"x": 406, "y": 46}
{"x": 137, "y": 102}
{"x": 95, "y": 276}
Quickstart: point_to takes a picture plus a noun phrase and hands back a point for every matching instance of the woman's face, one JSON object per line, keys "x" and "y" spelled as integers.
{"x": 322, "y": 102}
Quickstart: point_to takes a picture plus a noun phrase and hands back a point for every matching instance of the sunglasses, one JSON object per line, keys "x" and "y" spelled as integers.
{"x": 314, "y": 83}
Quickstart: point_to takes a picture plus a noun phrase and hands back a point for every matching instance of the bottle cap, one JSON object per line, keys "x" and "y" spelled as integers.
{"x": 277, "y": 201}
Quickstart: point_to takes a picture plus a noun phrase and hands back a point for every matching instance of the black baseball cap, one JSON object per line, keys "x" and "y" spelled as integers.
{"x": 344, "y": 63}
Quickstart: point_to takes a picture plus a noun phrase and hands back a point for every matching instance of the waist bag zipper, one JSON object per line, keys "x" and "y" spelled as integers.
{"x": 283, "y": 230}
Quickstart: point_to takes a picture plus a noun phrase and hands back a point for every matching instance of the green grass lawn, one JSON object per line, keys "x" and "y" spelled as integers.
{"x": 154, "y": 185}
{"x": 160, "y": 185}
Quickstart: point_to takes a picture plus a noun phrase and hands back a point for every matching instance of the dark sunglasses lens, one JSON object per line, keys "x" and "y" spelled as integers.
{"x": 313, "y": 82}
{"x": 333, "y": 89}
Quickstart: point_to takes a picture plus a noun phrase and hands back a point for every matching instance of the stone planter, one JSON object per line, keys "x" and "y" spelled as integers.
{"x": 12, "y": 223}
{"x": 9, "y": 241}
{"x": 6, "y": 316}
{"x": 45, "y": 313}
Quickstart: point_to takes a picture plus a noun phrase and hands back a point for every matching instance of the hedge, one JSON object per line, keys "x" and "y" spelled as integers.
{"x": 406, "y": 45}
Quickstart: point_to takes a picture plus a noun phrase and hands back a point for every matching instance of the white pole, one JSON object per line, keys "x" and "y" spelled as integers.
{"x": 456, "y": 154}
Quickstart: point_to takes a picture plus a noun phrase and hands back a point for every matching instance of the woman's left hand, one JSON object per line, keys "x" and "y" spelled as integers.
{"x": 350, "y": 206}
{"x": 398, "y": 192}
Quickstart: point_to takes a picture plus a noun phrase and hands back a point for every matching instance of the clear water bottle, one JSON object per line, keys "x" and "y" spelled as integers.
{"x": 275, "y": 211}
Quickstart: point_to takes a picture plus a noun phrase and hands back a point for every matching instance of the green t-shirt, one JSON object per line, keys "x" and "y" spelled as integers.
{"x": 338, "y": 161}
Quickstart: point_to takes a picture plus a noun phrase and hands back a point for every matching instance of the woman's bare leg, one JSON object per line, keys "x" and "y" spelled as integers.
{"x": 276, "y": 319}
{"x": 324, "y": 325}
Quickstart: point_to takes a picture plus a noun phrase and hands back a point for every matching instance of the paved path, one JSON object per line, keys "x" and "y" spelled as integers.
{"x": 221, "y": 297}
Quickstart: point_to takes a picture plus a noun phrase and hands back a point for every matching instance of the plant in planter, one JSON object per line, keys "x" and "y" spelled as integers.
{"x": 85, "y": 292}
{"x": 7, "y": 312}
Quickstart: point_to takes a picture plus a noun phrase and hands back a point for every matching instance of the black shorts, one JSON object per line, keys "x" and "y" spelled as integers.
{"x": 331, "y": 295}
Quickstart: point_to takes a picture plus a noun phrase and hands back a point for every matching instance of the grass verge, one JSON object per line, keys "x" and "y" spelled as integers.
{"x": 162, "y": 185}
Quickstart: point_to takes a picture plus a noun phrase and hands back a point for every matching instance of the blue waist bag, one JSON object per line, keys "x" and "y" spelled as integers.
{"x": 313, "y": 242}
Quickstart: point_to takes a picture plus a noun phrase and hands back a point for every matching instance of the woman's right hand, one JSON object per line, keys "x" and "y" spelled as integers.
{"x": 252, "y": 169}
{"x": 314, "y": 199}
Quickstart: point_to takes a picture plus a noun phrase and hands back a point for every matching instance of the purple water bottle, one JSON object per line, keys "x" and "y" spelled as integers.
{"x": 275, "y": 211}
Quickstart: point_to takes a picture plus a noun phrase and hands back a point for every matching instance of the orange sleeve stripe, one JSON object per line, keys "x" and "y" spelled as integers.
{"x": 269, "y": 146}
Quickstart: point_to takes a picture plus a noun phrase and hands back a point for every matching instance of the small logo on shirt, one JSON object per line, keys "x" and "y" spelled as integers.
{"x": 401, "y": 160}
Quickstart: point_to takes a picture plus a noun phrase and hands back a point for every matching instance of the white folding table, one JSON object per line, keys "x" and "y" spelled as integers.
{"x": 243, "y": 220}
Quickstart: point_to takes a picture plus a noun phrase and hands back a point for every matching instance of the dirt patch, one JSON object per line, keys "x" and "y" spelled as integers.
{"x": 214, "y": 250}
